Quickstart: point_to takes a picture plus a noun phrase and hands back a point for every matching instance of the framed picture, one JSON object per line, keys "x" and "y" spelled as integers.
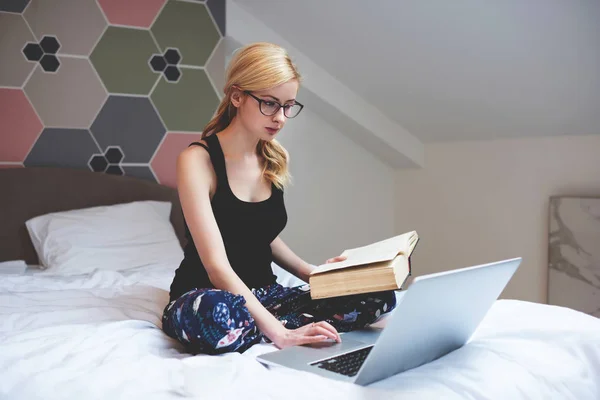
{"x": 574, "y": 253}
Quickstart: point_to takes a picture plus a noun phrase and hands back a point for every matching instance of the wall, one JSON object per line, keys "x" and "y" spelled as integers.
{"x": 120, "y": 88}
{"x": 94, "y": 94}
{"x": 341, "y": 195}
{"x": 476, "y": 202}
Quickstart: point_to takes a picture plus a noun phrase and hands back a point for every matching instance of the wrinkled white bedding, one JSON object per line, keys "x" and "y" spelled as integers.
{"x": 97, "y": 336}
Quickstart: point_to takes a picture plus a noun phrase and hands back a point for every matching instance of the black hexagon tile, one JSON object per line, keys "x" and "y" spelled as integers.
{"x": 49, "y": 63}
{"x": 114, "y": 170}
{"x": 158, "y": 63}
{"x": 33, "y": 52}
{"x": 50, "y": 44}
{"x": 167, "y": 64}
{"x": 98, "y": 163}
{"x": 44, "y": 52}
{"x": 172, "y": 73}
{"x": 172, "y": 56}
{"x": 114, "y": 154}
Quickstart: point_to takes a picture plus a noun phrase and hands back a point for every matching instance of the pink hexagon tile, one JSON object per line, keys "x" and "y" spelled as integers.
{"x": 164, "y": 161}
{"x": 139, "y": 13}
{"x": 19, "y": 125}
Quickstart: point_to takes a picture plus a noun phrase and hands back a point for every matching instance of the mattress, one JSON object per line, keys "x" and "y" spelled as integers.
{"x": 98, "y": 335}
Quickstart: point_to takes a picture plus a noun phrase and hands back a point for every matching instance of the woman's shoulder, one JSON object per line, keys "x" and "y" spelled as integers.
{"x": 194, "y": 158}
{"x": 202, "y": 143}
{"x": 201, "y": 146}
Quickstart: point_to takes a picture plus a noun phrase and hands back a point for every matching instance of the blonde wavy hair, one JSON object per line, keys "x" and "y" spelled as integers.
{"x": 255, "y": 67}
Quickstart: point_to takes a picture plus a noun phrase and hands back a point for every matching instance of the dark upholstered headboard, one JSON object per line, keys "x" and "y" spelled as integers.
{"x": 29, "y": 192}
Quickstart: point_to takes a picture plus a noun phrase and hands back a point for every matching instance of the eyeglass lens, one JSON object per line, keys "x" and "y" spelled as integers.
{"x": 289, "y": 110}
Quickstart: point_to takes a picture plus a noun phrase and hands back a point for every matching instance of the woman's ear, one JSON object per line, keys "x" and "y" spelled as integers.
{"x": 236, "y": 97}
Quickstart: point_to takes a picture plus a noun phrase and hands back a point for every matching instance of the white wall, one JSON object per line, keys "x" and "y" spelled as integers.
{"x": 476, "y": 202}
{"x": 341, "y": 195}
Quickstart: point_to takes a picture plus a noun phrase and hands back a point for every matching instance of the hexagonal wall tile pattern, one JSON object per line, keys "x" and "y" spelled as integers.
{"x": 92, "y": 83}
{"x": 216, "y": 67}
{"x": 110, "y": 163}
{"x": 164, "y": 161}
{"x": 76, "y": 23}
{"x": 71, "y": 97}
{"x": 57, "y": 147}
{"x": 130, "y": 123}
{"x": 121, "y": 59}
{"x": 142, "y": 172}
{"x": 13, "y": 6}
{"x": 14, "y": 34}
{"x": 44, "y": 52}
{"x": 139, "y": 13}
{"x": 188, "y": 27}
{"x": 19, "y": 125}
{"x": 187, "y": 105}
{"x": 217, "y": 10}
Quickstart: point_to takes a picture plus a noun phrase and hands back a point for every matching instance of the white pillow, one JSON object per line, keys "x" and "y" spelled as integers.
{"x": 15, "y": 267}
{"x": 116, "y": 237}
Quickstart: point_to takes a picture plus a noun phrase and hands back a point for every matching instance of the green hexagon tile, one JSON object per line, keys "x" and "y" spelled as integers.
{"x": 189, "y": 28}
{"x": 188, "y": 104}
{"x": 108, "y": 90}
{"x": 121, "y": 59}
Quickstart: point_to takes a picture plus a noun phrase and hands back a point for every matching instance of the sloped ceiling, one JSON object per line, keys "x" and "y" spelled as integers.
{"x": 453, "y": 70}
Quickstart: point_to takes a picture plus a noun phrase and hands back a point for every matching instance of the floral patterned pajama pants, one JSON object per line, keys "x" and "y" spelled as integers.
{"x": 213, "y": 321}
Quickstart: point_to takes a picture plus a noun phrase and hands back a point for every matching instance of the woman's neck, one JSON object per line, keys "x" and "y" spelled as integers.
{"x": 236, "y": 142}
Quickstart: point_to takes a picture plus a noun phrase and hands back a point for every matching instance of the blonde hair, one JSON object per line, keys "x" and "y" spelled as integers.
{"x": 255, "y": 67}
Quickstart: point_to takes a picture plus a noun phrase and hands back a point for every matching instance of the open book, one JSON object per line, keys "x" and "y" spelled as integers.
{"x": 380, "y": 266}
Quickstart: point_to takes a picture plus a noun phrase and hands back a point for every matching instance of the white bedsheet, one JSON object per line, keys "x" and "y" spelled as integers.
{"x": 98, "y": 336}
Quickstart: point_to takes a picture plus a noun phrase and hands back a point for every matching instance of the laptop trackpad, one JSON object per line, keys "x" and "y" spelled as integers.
{"x": 354, "y": 339}
{"x": 330, "y": 348}
{"x": 305, "y": 354}
{"x": 321, "y": 345}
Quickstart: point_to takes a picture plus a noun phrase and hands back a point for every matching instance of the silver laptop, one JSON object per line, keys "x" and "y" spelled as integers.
{"x": 436, "y": 315}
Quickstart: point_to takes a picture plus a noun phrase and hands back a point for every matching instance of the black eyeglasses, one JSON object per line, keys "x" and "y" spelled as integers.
{"x": 271, "y": 107}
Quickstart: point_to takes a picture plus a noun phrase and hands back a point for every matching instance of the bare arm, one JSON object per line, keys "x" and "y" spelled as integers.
{"x": 288, "y": 260}
{"x": 194, "y": 184}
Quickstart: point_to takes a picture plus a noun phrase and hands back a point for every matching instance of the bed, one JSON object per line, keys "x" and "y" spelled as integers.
{"x": 92, "y": 330}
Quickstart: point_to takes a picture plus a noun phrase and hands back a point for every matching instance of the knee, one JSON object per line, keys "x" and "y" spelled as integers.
{"x": 381, "y": 303}
{"x": 389, "y": 300}
{"x": 212, "y": 321}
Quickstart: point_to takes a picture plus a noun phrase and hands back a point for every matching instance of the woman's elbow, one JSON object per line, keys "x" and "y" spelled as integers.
{"x": 219, "y": 275}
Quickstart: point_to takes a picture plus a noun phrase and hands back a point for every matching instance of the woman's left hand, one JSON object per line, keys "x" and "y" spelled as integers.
{"x": 336, "y": 259}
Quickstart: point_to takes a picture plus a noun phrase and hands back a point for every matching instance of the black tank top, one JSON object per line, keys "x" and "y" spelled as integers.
{"x": 247, "y": 229}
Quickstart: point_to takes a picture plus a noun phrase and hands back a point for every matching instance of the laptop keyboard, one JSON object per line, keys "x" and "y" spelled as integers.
{"x": 346, "y": 364}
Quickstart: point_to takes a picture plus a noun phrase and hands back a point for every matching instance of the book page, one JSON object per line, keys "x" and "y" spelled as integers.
{"x": 384, "y": 250}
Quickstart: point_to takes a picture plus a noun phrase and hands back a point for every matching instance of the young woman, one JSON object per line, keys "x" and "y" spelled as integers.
{"x": 224, "y": 296}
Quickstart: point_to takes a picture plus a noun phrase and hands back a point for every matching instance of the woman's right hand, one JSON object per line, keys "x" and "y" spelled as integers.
{"x": 310, "y": 333}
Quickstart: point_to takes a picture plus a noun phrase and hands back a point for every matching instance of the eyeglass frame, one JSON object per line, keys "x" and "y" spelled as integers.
{"x": 260, "y": 101}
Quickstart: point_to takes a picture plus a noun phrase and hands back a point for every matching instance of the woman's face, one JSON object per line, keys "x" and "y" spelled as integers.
{"x": 266, "y": 127}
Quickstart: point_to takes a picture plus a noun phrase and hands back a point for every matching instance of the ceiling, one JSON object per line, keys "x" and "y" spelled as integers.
{"x": 456, "y": 70}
